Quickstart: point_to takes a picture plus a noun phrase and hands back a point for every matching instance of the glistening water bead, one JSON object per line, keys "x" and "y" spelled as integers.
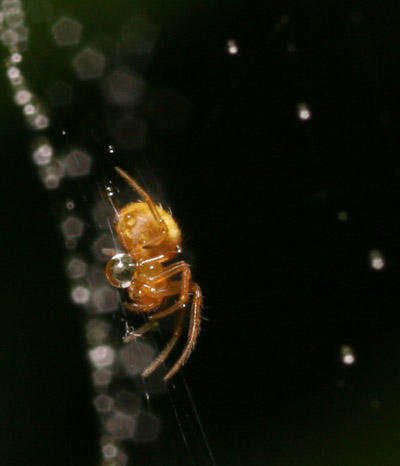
{"x": 121, "y": 268}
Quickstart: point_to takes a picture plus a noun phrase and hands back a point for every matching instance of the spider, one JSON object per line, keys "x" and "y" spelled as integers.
{"x": 151, "y": 238}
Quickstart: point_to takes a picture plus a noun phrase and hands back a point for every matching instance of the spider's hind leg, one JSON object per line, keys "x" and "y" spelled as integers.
{"x": 194, "y": 330}
{"x": 169, "y": 347}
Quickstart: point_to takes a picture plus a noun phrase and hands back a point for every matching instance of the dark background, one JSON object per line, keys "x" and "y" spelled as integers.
{"x": 257, "y": 192}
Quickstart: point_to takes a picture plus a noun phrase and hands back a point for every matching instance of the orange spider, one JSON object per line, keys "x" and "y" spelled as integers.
{"x": 151, "y": 237}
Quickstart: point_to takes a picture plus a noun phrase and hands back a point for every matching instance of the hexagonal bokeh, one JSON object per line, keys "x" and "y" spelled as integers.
{"x": 136, "y": 356}
{"x": 39, "y": 121}
{"x": 97, "y": 331}
{"x": 102, "y": 214}
{"x": 109, "y": 451}
{"x": 124, "y": 88}
{"x": 103, "y": 403}
{"x": 72, "y": 227}
{"x": 76, "y": 268}
{"x": 67, "y": 31}
{"x": 52, "y": 174}
{"x": 138, "y": 39}
{"x": 14, "y": 17}
{"x": 127, "y": 403}
{"x": 102, "y": 376}
{"x": 22, "y": 97}
{"x": 9, "y": 37}
{"x": 43, "y": 153}
{"x": 105, "y": 299}
{"x": 11, "y": 7}
{"x": 89, "y": 64}
{"x": 96, "y": 277}
{"x": 148, "y": 428}
{"x": 121, "y": 426}
{"x": 77, "y": 163}
{"x": 102, "y": 356}
{"x": 80, "y": 295}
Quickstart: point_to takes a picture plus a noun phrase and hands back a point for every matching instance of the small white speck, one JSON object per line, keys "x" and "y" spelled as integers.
{"x": 303, "y": 111}
{"x": 343, "y": 216}
{"x": 347, "y": 355}
{"x": 232, "y": 47}
{"x": 376, "y": 259}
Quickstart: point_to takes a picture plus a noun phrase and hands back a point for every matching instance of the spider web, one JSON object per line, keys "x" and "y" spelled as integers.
{"x": 102, "y": 78}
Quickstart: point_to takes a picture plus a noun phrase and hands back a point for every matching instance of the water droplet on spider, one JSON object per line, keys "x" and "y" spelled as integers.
{"x": 111, "y": 149}
{"x": 120, "y": 269}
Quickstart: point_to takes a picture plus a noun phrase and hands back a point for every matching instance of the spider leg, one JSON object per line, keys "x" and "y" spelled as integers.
{"x": 172, "y": 289}
{"x": 169, "y": 271}
{"x": 194, "y": 329}
{"x": 139, "y": 332}
{"x": 140, "y": 307}
{"x": 174, "y": 269}
{"x": 143, "y": 194}
{"x": 169, "y": 347}
{"x": 183, "y": 287}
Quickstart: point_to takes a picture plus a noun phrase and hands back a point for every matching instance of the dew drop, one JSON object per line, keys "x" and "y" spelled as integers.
{"x": 120, "y": 269}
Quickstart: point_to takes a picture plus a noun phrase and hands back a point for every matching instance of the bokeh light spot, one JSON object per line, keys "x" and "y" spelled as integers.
{"x": 102, "y": 356}
{"x": 89, "y": 64}
{"x": 303, "y": 111}
{"x": 123, "y": 88}
{"x": 67, "y": 31}
{"x": 76, "y": 268}
{"x": 72, "y": 227}
{"x": 232, "y": 47}
{"x": 347, "y": 355}
{"x": 376, "y": 259}
{"x": 77, "y": 163}
{"x": 80, "y": 295}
